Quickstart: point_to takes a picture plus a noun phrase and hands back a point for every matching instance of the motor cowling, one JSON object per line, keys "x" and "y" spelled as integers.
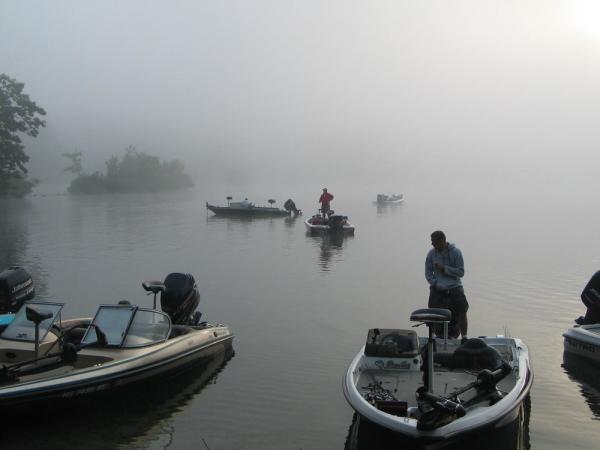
{"x": 180, "y": 298}
{"x": 591, "y": 299}
{"x": 16, "y": 287}
{"x": 336, "y": 222}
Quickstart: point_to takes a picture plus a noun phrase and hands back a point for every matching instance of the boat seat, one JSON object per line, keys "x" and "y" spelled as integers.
{"x": 179, "y": 330}
{"x": 154, "y": 286}
{"x": 431, "y": 315}
{"x": 37, "y": 316}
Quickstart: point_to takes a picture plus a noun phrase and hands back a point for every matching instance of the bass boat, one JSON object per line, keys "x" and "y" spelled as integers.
{"x": 249, "y": 209}
{"x": 334, "y": 223}
{"x": 383, "y": 199}
{"x": 435, "y": 388}
{"x": 45, "y": 359}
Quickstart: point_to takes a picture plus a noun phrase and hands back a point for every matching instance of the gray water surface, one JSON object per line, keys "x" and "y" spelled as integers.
{"x": 300, "y": 306}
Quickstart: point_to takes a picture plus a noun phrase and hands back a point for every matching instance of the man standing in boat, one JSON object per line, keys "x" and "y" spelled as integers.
{"x": 325, "y": 200}
{"x": 444, "y": 267}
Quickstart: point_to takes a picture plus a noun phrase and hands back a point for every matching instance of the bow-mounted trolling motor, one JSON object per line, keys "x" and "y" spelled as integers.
{"x": 179, "y": 297}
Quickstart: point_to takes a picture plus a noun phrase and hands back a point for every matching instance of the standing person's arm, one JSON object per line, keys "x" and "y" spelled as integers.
{"x": 458, "y": 270}
{"x": 429, "y": 271}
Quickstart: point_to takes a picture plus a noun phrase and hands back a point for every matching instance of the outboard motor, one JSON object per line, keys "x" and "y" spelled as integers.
{"x": 591, "y": 299}
{"x": 180, "y": 299}
{"x": 290, "y": 207}
{"x": 336, "y": 223}
{"x": 16, "y": 287}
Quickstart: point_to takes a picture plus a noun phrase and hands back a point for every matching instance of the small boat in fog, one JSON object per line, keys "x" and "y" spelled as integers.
{"x": 383, "y": 199}
{"x": 434, "y": 388}
{"x": 335, "y": 223}
{"x": 245, "y": 208}
{"x": 47, "y": 359}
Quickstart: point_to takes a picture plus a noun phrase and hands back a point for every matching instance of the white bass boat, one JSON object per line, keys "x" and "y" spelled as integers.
{"x": 335, "y": 223}
{"x": 431, "y": 388}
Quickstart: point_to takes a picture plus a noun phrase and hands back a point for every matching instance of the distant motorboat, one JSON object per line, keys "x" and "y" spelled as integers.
{"x": 334, "y": 223}
{"x": 383, "y": 199}
{"x": 245, "y": 208}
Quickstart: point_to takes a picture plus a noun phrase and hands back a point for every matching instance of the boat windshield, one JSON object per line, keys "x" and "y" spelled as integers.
{"x": 128, "y": 326}
{"x": 23, "y": 329}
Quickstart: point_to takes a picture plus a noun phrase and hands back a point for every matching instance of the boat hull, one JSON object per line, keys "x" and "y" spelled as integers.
{"x": 176, "y": 355}
{"x": 256, "y": 211}
{"x": 498, "y": 415}
{"x": 326, "y": 229}
{"x": 583, "y": 341}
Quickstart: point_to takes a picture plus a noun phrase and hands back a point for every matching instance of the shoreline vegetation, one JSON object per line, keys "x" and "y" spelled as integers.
{"x": 19, "y": 115}
{"x": 133, "y": 172}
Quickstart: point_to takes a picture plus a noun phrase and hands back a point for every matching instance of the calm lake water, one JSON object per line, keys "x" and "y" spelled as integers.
{"x": 300, "y": 306}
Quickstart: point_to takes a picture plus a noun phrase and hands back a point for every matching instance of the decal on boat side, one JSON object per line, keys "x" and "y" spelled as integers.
{"x": 85, "y": 391}
{"x": 582, "y": 345}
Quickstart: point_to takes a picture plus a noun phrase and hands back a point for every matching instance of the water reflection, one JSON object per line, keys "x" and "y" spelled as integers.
{"x": 131, "y": 420}
{"x": 388, "y": 208}
{"x": 364, "y": 435}
{"x": 585, "y": 374}
{"x": 14, "y": 230}
{"x": 15, "y": 245}
{"x": 330, "y": 246}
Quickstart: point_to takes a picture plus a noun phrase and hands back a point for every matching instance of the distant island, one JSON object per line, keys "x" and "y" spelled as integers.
{"x": 133, "y": 172}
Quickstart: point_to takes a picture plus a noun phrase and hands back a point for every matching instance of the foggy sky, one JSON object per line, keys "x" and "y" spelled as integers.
{"x": 310, "y": 90}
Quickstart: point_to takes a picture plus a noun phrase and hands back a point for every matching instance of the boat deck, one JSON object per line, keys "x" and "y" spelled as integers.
{"x": 402, "y": 384}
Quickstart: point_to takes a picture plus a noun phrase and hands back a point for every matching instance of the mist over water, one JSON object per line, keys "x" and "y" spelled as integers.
{"x": 301, "y": 92}
{"x": 483, "y": 114}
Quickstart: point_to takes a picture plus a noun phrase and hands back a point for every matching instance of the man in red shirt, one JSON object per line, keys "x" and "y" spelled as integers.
{"x": 324, "y": 200}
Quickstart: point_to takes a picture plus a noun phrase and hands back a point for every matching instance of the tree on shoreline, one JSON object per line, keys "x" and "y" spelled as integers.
{"x": 133, "y": 172}
{"x": 18, "y": 115}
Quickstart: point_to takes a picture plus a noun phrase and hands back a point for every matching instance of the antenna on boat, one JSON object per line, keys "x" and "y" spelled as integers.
{"x": 229, "y": 197}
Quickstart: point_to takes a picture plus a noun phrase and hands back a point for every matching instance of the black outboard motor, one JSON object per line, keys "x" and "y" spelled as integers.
{"x": 336, "y": 223}
{"x": 180, "y": 299}
{"x": 16, "y": 287}
{"x": 290, "y": 207}
{"x": 591, "y": 299}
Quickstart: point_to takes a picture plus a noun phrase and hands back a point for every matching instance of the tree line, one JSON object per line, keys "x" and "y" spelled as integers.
{"x": 133, "y": 172}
